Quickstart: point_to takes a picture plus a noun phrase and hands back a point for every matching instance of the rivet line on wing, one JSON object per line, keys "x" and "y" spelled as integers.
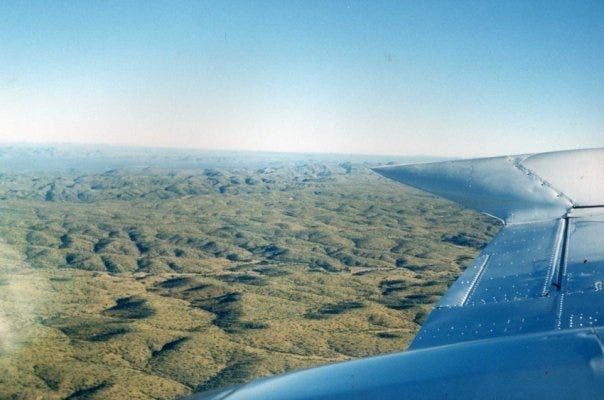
{"x": 475, "y": 281}
{"x": 529, "y": 172}
{"x": 553, "y": 262}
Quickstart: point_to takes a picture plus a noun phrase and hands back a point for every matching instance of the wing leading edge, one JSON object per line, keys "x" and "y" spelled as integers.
{"x": 524, "y": 319}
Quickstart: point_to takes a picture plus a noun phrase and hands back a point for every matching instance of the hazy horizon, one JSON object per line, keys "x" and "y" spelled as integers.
{"x": 167, "y": 148}
{"x": 462, "y": 79}
{"x": 92, "y": 145}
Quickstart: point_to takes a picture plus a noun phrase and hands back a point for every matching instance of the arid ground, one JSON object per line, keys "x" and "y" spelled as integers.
{"x": 153, "y": 281}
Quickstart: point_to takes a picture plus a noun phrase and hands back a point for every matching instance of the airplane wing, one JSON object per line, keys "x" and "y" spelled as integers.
{"x": 525, "y": 319}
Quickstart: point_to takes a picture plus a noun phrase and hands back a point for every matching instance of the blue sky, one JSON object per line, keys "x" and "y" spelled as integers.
{"x": 449, "y": 78}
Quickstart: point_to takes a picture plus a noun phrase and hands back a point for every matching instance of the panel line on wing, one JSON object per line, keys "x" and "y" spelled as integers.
{"x": 518, "y": 163}
{"x": 555, "y": 258}
{"x": 560, "y": 312}
{"x": 564, "y": 253}
{"x": 476, "y": 280}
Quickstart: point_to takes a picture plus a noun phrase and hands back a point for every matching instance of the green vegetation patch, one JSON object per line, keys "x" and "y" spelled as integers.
{"x": 153, "y": 282}
{"x": 240, "y": 368}
{"x": 130, "y": 308}
{"x": 88, "y": 392}
{"x": 170, "y": 346}
{"x": 333, "y": 309}
{"x": 91, "y": 329}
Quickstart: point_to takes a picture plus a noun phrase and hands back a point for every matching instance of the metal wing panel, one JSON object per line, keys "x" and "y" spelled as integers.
{"x": 498, "y": 186}
{"x": 533, "y": 277}
{"x": 459, "y": 292}
{"x": 521, "y": 260}
{"x": 518, "y": 264}
{"x": 580, "y": 310}
{"x": 545, "y": 269}
{"x": 579, "y": 174}
{"x": 513, "y": 188}
{"x": 585, "y": 261}
{"x": 445, "y": 326}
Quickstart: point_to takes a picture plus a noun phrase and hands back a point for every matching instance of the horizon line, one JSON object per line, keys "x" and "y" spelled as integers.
{"x": 260, "y": 151}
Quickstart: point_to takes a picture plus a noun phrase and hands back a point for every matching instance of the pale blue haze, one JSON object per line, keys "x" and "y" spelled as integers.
{"x": 419, "y": 77}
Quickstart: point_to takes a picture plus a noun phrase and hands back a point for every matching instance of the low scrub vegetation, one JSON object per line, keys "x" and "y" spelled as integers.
{"x": 136, "y": 282}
